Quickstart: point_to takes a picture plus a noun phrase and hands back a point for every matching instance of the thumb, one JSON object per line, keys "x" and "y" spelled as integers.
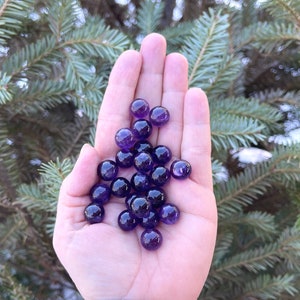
{"x": 84, "y": 173}
{"x": 74, "y": 191}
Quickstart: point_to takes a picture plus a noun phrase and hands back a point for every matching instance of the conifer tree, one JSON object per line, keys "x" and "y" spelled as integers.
{"x": 55, "y": 58}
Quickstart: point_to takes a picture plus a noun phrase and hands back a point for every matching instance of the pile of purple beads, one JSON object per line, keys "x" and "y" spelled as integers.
{"x": 145, "y": 200}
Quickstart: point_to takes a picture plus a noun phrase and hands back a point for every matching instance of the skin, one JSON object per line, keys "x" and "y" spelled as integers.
{"x": 107, "y": 263}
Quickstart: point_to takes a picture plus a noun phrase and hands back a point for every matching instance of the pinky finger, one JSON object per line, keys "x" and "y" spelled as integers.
{"x": 196, "y": 140}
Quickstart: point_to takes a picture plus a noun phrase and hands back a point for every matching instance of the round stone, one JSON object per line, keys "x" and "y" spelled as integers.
{"x": 139, "y": 108}
{"x": 180, "y": 169}
{"x": 140, "y": 182}
{"x": 125, "y": 138}
{"x": 94, "y": 213}
{"x": 160, "y": 175}
{"x": 127, "y": 221}
{"x": 151, "y": 239}
{"x": 100, "y": 193}
{"x": 161, "y": 154}
{"x": 143, "y": 162}
{"x": 140, "y": 207}
{"x": 107, "y": 170}
{"x": 159, "y": 116}
{"x": 129, "y": 199}
{"x": 120, "y": 187}
{"x": 150, "y": 221}
{"x": 156, "y": 196}
{"x": 141, "y": 129}
{"x": 169, "y": 213}
{"x": 142, "y": 146}
{"x": 124, "y": 158}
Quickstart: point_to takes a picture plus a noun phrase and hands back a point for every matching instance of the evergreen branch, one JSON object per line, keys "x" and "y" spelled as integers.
{"x": 224, "y": 75}
{"x": 288, "y": 10}
{"x": 261, "y": 258}
{"x": 174, "y": 35}
{"x": 247, "y": 108}
{"x": 232, "y": 131}
{"x": 54, "y": 173}
{"x": 37, "y": 96}
{"x": 12, "y": 15}
{"x": 90, "y": 98}
{"x": 279, "y": 97}
{"x": 31, "y": 197}
{"x": 223, "y": 246}
{"x": 30, "y": 55}
{"x": 268, "y": 287}
{"x": 255, "y": 260}
{"x": 260, "y": 223}
{"x": 218, "y": 171}
{"x": 149, "y": 16}
{"x": 95, "y": 39}
{"x": 77, "y": 71}
{"x": 42, "y": 196}
{"x": 206, "y": 47}
{"x": 62, "y": 16}
{"x": 9, "y": 172}
{"x": 13, "y": 288}
{"x": 92, "y": 135}
{"x": 275, "y": 36}
{"x": 5, "y": 93}
{"x": 240, "y": 191}
{"x": 79, "y": 132}
{"x": 3, "y": 7}
{"x": 246, "y": 36}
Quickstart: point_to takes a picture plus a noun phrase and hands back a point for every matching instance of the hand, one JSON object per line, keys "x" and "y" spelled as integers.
{"x": 106, "y": 262}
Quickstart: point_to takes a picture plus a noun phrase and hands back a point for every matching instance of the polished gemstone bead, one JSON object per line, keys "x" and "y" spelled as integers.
{"x": 180, "y": 169}
{"x": 140, "y": 182}
{"x": 128, "y": 200}
{"x": 139, "y": 108}
{"x": 120, "y": 187}
{"x": 141, "y": 129}
{"x": 100, "y": 193}
{"x": 142, "y": 146}
{"x": 94, "y": 213}
{"x": 151, "y": 239}
{"x": 127, "y": 221}
{"x": 161, "y": 154}
{"x": 160, "y": 175}
{"x": 159, "y": 116}
{"x": 124, "y": 158}
{"x": 156, "y": 196}
{"x": 169, "y": 213}
{"x": 125, "y": 138}
{"x": 107, "y": 170}
{"x": 140, "y": 207}
{"x": 150, "y": 221}
{"x": 143, "y": 162}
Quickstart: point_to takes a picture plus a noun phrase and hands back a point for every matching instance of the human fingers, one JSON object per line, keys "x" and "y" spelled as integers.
{"x": 114, "y": 112}
{"x": 196, "y": 141}
{"x": 175, "y": 84}
{"x": 74, "y": 191}
{"x": 153, "y": 51}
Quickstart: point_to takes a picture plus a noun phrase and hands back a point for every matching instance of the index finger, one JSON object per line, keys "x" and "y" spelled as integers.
{"x": 114, "y": 112}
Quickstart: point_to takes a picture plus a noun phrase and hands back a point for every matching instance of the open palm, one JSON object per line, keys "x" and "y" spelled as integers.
{"x": 106, "y": 262}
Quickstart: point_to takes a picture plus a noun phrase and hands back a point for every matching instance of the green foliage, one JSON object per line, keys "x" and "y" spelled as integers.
{"x": 13, "y": 14}
{"x": 53, "y": 71}
{"x": 207, "y": 52}
{"x": 149, "y": 16}
{"x": 40, "y": 198}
